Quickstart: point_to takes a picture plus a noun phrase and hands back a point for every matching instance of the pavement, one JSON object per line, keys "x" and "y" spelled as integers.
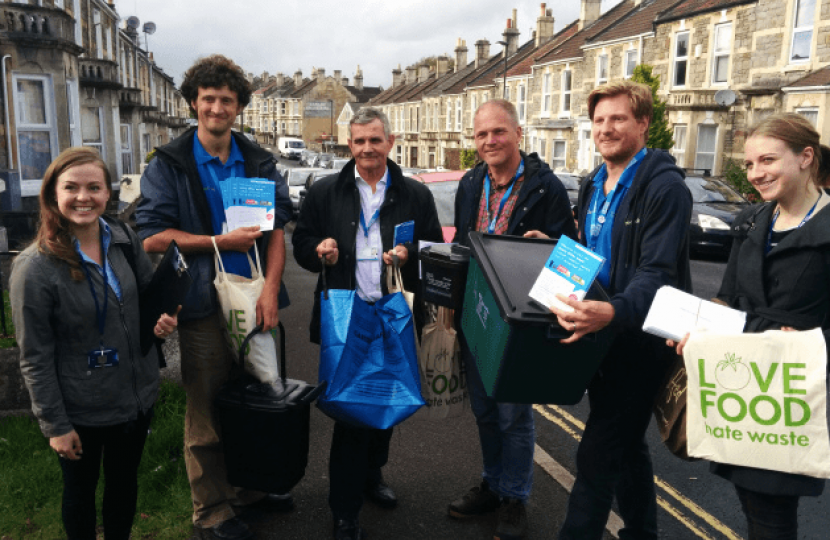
{"x": 431, "y": 463}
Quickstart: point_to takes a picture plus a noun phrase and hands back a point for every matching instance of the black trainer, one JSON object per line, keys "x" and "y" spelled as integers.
{"x": 231, "y": 529}
{"x": 512, "y": 524}
{"x": 477, "y": 501}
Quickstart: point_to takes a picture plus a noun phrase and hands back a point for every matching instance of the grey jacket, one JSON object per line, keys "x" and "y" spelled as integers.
{"x": 56, "y": 327}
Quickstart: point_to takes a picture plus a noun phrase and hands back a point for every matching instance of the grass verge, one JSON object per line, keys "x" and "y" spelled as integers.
{"x": 7, "y": 340}
{"x": 31, "y": 485}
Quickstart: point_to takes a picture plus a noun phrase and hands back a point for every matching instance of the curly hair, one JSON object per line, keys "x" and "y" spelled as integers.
{"x": 215, "y": 71}
{"x": 54, "y": 236}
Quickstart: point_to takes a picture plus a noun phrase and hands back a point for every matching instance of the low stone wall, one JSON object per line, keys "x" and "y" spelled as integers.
{"x": 14, "y": 398}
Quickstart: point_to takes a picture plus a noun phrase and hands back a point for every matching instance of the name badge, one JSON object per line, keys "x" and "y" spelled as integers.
{"x": 368, "y": 253}
{"x": 101, "y": 358}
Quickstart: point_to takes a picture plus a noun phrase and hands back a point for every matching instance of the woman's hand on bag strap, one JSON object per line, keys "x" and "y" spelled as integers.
{"x": 328, "y": 249}
{"x": 399, "y": 250}
{"x": 241, "y": 239}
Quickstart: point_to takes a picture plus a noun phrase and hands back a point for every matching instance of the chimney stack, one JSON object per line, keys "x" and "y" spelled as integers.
{"x": 280, "y": 79}
{"x": 298, "y": 78}
{"x": 544, "y": 26}
{"x": 396, "y": 76}
{"x": 423, "y": 72}
{"x": 511, "y": 35}
{"x": 590, "y": 10}
{"x": 482, "y": 52}
{"x": 321, "y": 74}
{"x": 411, "y": 73}
{"x": 460, "y": 54}
{"x": 442, "y": 65}
{"x": 358, "y": 79}
{"x": 337, "y": 75}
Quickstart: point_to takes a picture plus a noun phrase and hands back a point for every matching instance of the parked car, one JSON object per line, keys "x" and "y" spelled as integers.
{"x": 313, "y": 177}
{"x": 322, "y": 160}
{"x": 337, "y": 163}
{"x": 307, "y": 157}
{"x": 297, "y": 179}
{"x": 571, "y": 183}
{"x": 715, "y": 206}
{"x": 443, "y": 186}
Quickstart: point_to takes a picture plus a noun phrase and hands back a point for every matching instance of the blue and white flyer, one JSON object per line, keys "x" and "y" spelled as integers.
{"x": 249, "y": 202}
{"x": 570, "y": 271}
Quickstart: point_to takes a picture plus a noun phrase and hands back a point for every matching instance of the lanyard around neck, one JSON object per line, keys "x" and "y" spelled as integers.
{"x": 372, "y": 221}
{"x": 491, "y": 220}
{"x": 101, "y": 315}
{"x": 775, "y": 218}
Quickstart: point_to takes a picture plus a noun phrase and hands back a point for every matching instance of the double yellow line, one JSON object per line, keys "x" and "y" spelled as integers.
{"x": 671, "y": 504}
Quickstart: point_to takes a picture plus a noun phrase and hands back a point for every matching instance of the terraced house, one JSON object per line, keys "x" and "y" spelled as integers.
{"x": 75, "y": 74}
{"x": 723, "y": 65}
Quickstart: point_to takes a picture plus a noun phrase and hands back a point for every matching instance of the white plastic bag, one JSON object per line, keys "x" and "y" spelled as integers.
{"x": 238, "y": 297}
{"x": 759, "y": 400}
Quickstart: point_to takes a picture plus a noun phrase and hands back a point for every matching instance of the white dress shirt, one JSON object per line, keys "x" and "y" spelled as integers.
{"x": 368, "y": 272}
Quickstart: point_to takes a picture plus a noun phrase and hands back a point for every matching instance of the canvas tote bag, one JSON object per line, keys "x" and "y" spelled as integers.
{"x": 443, "y": 374}
{"x": 759, "y": 400}
{"x": 237, "y": 297}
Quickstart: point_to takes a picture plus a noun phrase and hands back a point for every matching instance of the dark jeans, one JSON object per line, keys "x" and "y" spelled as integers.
{"x": 613, "y": 459}
{"x": 121, "y": 447}
{"x": 357, "y": 454}
{"x": 769, "y": 517}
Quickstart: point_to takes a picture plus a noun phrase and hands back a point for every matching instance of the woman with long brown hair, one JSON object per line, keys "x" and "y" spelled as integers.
{"x": 788, "y": 236}
{"x": 74, "y": 297}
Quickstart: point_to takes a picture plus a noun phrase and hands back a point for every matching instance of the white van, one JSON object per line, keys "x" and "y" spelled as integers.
{"x": 290, "y": 148}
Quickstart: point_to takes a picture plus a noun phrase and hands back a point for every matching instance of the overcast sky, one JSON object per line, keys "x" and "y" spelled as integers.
{"x": 286, "y": 35}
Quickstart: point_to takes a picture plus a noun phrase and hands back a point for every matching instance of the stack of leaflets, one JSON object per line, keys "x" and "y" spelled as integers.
{"x": 570, "y": 271}
{"x": 248, "y": 202}
{"x": 675, "y": 313}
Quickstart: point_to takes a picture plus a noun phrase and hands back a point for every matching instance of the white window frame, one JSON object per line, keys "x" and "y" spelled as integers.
{"x": 602, "y": 68}
{"x": 73, "y": 112}
{"x": 810, "y": 113}
{"x": 679, "y": 148}
{"x": 567, "y": 89}
{"x": 680, "y": 59}
{"x": 30, "y": 187}
{"x": 99, "y": 33}
{"x": 630, "y": 54}
{"x": 507, "y": 92}
{"x": 699, "y": 155}
{"x": 542, "y": 147}
{"x": 458, "y": 114}
{"x": 127, "y": 149}
{"x": 521, "y": 102}
{"x": 546, "y": 97}
{"x": 399, "y": 154}
{"x": 804, "y": 29}
{"x": 559, "y": 151}
{"x": 473, "y": 108}
{"x": 449, "y": 115}
{"x": 720, "y": 54}
{"x": 100, "y": 146}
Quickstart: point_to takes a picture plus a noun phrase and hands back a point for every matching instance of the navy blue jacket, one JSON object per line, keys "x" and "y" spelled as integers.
{"x": 173, "y": 198}
{"x": 543, "y": 203}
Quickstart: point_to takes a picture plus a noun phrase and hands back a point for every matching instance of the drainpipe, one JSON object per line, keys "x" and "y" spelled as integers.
{"x": 6, "y": 101}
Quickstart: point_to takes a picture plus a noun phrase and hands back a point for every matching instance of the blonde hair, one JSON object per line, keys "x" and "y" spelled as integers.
{"x": 639, "y": 96}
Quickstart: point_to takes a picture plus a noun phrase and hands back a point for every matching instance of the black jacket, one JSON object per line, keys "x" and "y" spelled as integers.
{"x": 173, "y": 198}
{"x": 331, "y": 210}
{"x": 788, "y": 287}
{"x": 542, "y": 205}
{"x": 650, "y": 249}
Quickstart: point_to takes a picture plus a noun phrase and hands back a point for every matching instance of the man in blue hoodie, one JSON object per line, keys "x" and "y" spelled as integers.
{"x": 637, "y": 211}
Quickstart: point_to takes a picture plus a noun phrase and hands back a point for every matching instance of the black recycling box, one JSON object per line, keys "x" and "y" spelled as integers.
{"x": 265, "y": 428}
{"x": 514, "y": 339}
{"x": 444, "y": 273}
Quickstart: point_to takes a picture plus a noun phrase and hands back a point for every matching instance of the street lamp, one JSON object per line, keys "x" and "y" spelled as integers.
{"x": 331, "y": 126}
{"x": 504, "y": 81}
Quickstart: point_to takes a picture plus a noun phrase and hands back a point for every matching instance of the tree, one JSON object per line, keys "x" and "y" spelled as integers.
{"x": 469, "y": 158}
{"x": 659, "y": 133}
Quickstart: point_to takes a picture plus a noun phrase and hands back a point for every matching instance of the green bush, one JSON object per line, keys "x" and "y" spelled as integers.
{"x": 150, "y": 155}
{"x": 469, "y": 158}
{"x": 7, "y": 340}
{"x": 735, "y": 175}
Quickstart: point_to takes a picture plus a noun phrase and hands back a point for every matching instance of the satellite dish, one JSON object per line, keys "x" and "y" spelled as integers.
{"x": 149, "y": 28}
{"x": 725, "y": 98}
{"x": 133, "y": 22}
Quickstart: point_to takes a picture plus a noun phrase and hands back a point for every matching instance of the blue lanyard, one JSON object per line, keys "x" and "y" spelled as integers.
{"x": 371, "y": 222}
{"x": 598, "y": 219}
{"x": 101, "y": 316}
{"x": 492, "y": 221}
{"x": 775, "y": 218}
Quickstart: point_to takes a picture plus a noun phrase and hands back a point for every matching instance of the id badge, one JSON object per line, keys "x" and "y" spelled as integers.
{"x": 101, "y": 358}
{"x": 368, "y": 253}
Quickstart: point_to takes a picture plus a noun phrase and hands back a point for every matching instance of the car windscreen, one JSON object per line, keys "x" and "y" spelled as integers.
{"x": 568, "y": 180}
{"x": 444, "y": 195}
{"x": 296, "y": 144}
{"x": 712, "y": 190}
{"x": 297, "y": 178}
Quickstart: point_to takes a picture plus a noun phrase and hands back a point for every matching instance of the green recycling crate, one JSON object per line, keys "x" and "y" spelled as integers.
{"x": 516, "y": 341}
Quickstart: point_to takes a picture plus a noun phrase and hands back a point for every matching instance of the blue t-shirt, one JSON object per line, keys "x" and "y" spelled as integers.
{"x": 211, "y": 172}
{"x": 112, "y": 277}
{"x": 602, "y": 209}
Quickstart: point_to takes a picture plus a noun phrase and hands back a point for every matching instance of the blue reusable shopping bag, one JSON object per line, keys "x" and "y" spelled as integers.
{"x": 368, "y": 359}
